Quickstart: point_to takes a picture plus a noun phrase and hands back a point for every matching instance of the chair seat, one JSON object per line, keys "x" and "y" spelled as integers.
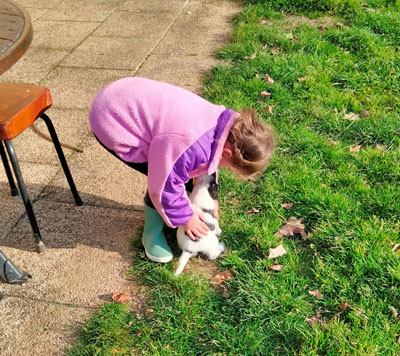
{"x": 20, "y": 105}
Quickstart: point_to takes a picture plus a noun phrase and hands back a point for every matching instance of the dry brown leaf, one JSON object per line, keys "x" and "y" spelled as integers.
{"x": 380, "y": 147}
{"x": 395, "y": 314}
{"x": 315, "y": 293}
{"x": 221, "y": 277}
{"x": 332, "y": 142}
{"x": 292, "y": 226}
{"x": 121, "y": 297}
{"x": 286, "y": 205}
{"x": 395, "y": 247}
{"x": 265, "y": 93}
{"x": 295, "y": 39}
{"x": 253, "y": 211}
{"x": 257, "y": 75}
{"x": 344, "y": 306}
{"x": 276, "y": 267}
{"x": 355, "y": 148}
{"x": 264, "y": 47}
{"x": 275, "y": 51}
{"x": 315, "y": 319}
{"x": 252, "y": 56}
{"x": 268, "y": 79}
{"x": 365, "y": 113}
{"x": 276, "y": 252}
{"x": 352, "y": 116}
{"x": 302, "y": 79}
{"x": 268, "y": 109}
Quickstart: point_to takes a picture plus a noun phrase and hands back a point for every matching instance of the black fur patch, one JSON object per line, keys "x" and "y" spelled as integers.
{"x": 213, "y": 189}
{"x": 208, "y": 211}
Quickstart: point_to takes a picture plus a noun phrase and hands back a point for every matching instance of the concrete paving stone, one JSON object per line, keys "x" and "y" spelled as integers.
{"x": 71, "y": 126}
{"x": 34, "y": 65}
{"x": 154, "y": 6}
{"x": 88, "y": 250}
{"x": 135, "y": 24}
{"x": 178, "y": 70}
{"x": 39, "y": 4}
{"x": 131, "y": 52}
{"x": 35, "y": 13}
{"x": 11, "y": 209}
{"x": 101, "y": 180}
{"x": 75, "y": 88}
{"x": 31, "y": 327}
{"x": 61, "y": 34}
{"x": 82, "y": 10}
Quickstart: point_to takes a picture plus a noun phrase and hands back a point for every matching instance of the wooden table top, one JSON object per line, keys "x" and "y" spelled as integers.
{"x": 15, "y": 33}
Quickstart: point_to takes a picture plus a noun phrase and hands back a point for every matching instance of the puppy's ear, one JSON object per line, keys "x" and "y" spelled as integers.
{"x": 213, "y": 189}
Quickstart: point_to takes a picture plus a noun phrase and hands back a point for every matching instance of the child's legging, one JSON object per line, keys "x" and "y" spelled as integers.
{"x": 142, "y": 168}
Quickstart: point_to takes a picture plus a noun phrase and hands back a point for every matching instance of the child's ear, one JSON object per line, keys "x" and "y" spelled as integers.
{"x": 227, "y": 150}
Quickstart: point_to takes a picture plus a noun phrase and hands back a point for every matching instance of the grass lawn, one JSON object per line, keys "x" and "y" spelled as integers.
{"x": 335, "y": 103}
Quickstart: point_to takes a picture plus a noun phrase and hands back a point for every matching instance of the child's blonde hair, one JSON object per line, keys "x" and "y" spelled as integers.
{"x": 253, "y": 144}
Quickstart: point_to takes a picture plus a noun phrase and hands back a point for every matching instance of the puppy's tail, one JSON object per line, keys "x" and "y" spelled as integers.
{"x": 182, "y": 262}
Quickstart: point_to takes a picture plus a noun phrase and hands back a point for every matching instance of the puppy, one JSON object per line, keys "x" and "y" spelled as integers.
{"x": 204, "y": 192}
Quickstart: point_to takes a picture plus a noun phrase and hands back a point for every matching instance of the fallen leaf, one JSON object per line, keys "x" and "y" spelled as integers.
{"x": 365, "y": 113}
{"x": 355, "y": 148}
{"x": 264, "y": 47}
{"x": 315, "y": 293}
{"x": 269, "y": 79}
{"x": 395, "y": 247}
{"x": 293, "y": 226}
{"x": 395, "y": 314}
{"x": 268, "y": 109}
{"x": 380, "y": 147}
{"x": 344, "y": 306}
{"x": 339, "y": 24}
{"x": 121, "y": 297}
{"x": 276, "y": 267}
{"x": 257, "y": 75}
{"x": 221, "y": 277}
{"x": 275, "y": 51}
{"x": 264, "y": 93}
{"x": 315, "y": 319}
{"x": 332, "y": 142}
{"x": 286, "y": 205}
{"x": 253, "y": 211}
{"x": 251, "y": 56}
{"x": 295, "y": 39}
{"x": 352, "y": 116}
{"x": 276, "y": 252}
{"x": 302, "y": 79}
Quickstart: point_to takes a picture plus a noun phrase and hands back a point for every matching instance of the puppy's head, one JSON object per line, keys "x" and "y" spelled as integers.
{"x": 209, "y": 181}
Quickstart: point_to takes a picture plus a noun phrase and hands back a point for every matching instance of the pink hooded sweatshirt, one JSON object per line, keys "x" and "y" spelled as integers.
{"x": 178, "y": 133}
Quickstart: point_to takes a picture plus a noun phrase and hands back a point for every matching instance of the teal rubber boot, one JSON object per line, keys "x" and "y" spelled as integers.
{"x": 153, "y": 239}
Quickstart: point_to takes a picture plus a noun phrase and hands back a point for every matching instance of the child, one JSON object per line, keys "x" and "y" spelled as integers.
{"x": 173, "y": 135}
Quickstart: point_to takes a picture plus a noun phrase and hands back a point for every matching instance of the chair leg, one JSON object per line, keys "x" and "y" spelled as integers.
{"x": 24, "y": 195}
{"x": 57, "y": 146}
{"x": 13, "y": 187}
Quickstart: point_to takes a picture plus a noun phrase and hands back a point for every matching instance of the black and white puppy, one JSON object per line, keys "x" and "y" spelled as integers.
{"x": 204, "y": 192}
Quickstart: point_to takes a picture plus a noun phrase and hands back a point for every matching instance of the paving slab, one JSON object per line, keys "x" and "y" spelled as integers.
{"x": 38, "y": 328}
{"x": 153, "y": 6}
{"x": 105, "y": 48}
{"x": 124, "y": 23}
{"x": 72, "y": 127}
{"x": 35, "y": 65}
{"x": 88, "y": 248}
{"x": 101, "y": 179}
{"x": 75, "y": 88}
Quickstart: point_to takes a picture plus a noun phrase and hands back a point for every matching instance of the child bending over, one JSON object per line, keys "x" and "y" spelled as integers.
{"x": 173, "y": 135}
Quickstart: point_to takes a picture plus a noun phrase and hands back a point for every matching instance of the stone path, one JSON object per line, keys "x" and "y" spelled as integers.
{"x": 78, "y": 47}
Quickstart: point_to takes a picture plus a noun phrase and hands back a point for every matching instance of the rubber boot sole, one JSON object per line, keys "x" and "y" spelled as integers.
{"x": 157, "y": 259}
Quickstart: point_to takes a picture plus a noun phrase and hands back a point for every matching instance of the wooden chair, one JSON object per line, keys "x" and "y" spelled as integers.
{"x": 20, "y": 106}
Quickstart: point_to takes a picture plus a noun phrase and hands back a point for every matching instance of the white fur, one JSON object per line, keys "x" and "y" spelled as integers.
{"x": 208, "y": 245}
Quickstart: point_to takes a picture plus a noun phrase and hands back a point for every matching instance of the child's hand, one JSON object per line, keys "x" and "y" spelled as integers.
{"x": 216, "y": 210}
{"x": 196, "y": 226}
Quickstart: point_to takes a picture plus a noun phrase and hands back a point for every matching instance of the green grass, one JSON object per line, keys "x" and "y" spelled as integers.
{"x": 350, "y": 201}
